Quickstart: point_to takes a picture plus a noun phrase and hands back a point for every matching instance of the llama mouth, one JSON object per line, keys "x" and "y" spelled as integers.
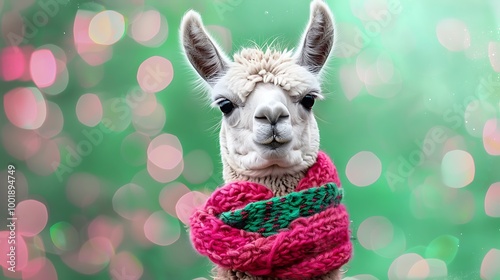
{"x": 274, "y": 145}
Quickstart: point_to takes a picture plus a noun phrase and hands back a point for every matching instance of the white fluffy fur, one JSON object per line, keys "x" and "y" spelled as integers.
{"x": 253, "y": 66}
{"x": 269, "y": 138}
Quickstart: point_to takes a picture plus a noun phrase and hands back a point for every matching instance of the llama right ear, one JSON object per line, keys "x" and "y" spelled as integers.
{"x": 317, "y": 41}
{"x": 202, "y": 52}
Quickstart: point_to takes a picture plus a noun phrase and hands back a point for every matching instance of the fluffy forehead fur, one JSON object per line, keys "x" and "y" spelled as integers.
{"x": 253, "y": 66}
{"x": 266, "y": 127}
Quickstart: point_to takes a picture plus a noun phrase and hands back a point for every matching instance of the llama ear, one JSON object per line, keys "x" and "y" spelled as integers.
{"x": 317, "y": 40}
{"x": 202, "y": 52}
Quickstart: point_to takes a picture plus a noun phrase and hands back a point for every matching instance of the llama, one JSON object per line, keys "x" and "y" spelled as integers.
{"x": 272, "y": 165}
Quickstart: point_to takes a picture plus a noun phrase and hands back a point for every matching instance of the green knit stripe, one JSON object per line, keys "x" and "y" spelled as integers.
{"x": 269, "y": 216}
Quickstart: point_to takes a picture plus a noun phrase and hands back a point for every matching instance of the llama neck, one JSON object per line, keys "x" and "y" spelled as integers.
{"x": 279, "y": 184}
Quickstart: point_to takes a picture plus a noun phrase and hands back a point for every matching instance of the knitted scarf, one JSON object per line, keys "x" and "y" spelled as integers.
{"x": 304, "y": 234}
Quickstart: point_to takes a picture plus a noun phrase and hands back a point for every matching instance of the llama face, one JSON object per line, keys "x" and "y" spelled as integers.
{"x": 266, "y": 97}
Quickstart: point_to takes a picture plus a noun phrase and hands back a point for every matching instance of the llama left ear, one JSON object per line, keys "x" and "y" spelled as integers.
{"x": 317, "y": 41}
{"x": 203, "y": 53}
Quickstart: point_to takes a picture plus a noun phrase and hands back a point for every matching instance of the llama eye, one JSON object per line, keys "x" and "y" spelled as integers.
{"x": 307, "y": 101}
{"x": 226, "y": 106}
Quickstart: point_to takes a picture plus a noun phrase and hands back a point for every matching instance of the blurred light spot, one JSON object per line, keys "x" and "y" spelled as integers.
{"x": 401, "y": 266}
{"x": 21, "y": 253}
{"x": 162, "y": 229}
{"x": 198, "y": 167}
{"x": 96, "y": 252}
{"x": 117, "y": 115}
{"x": 492, "y": 201}
{"x": 143, "y": 178}
{"x": 476, "y": 114}
{"x": 32, "y": 217}
{"x": 107, "y": 27}
{"x": 366, "y": 65}
{"x": 375, "y": 233}
{"x": 165, "y": 162}
{"x": 494, "y": 55}
{"x": 459, "y": 207}
{"x": 350, "y": 82}
{"x": 138, "y": 220}
{"x": 124, "y": 264}
{"x": 444, "y": 247}
{"x": 64, "y": 236}
{"x": 33, "y": 267}
{"x": 457, "y": 169}
{"x": 491, "y": 137}
{"x": 108, "y": 228}
{"x": 92, "y": 53}
{"x": 151, "y": 124}
{"x": 164, "y": 175}
{"x": 149, "y": 28}
{"x": 40, "y": 268}
{"x": 43, "y": 68}
{"x": 20, "y": 143}
{"x": 188, "y": 203}
{"x": 89, "y": 109}
{"x": 397, "y": 245}
{"x": 54, "y": 122}
{"x": 46, "y": 160}
{"x": 453, "y": 34}
{"x": 25, "y": 107}
{"x": 363, "y": 169}
{"x": 62, "y": 75}
{"x": 420, "y": 270}
{"x": 489, "y": 267}
{"x": 13, "y": 63}
{"x": 437, "y": 269}
{"x": 134, "y": 147}
{"x": 378, "y": 73}
{"x": 142, "y": 103}
{"x": 170, "y": 195}
{"x": 155, "y": 74}
{"x": 222, "y": 36}
{"x": 164, "y": 156}
{"x": 129, "y": 199}
{"x": 83, "y": 189}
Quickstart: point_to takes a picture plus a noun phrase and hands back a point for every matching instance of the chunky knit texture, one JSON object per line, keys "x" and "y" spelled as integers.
{"x": 308, "y": 247}
{"x": 269, "y": 216}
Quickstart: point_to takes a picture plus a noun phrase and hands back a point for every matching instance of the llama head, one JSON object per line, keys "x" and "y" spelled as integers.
{"x": 266, "y": 96}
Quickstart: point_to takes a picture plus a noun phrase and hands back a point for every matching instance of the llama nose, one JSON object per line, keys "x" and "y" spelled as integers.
{"x": 271, "y": 112}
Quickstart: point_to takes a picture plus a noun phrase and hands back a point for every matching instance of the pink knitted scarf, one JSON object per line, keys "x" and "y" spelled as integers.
{"x": 309, "y": 246}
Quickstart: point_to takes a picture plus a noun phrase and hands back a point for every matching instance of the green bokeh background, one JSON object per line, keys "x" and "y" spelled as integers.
{"x": 431, "y": 87}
